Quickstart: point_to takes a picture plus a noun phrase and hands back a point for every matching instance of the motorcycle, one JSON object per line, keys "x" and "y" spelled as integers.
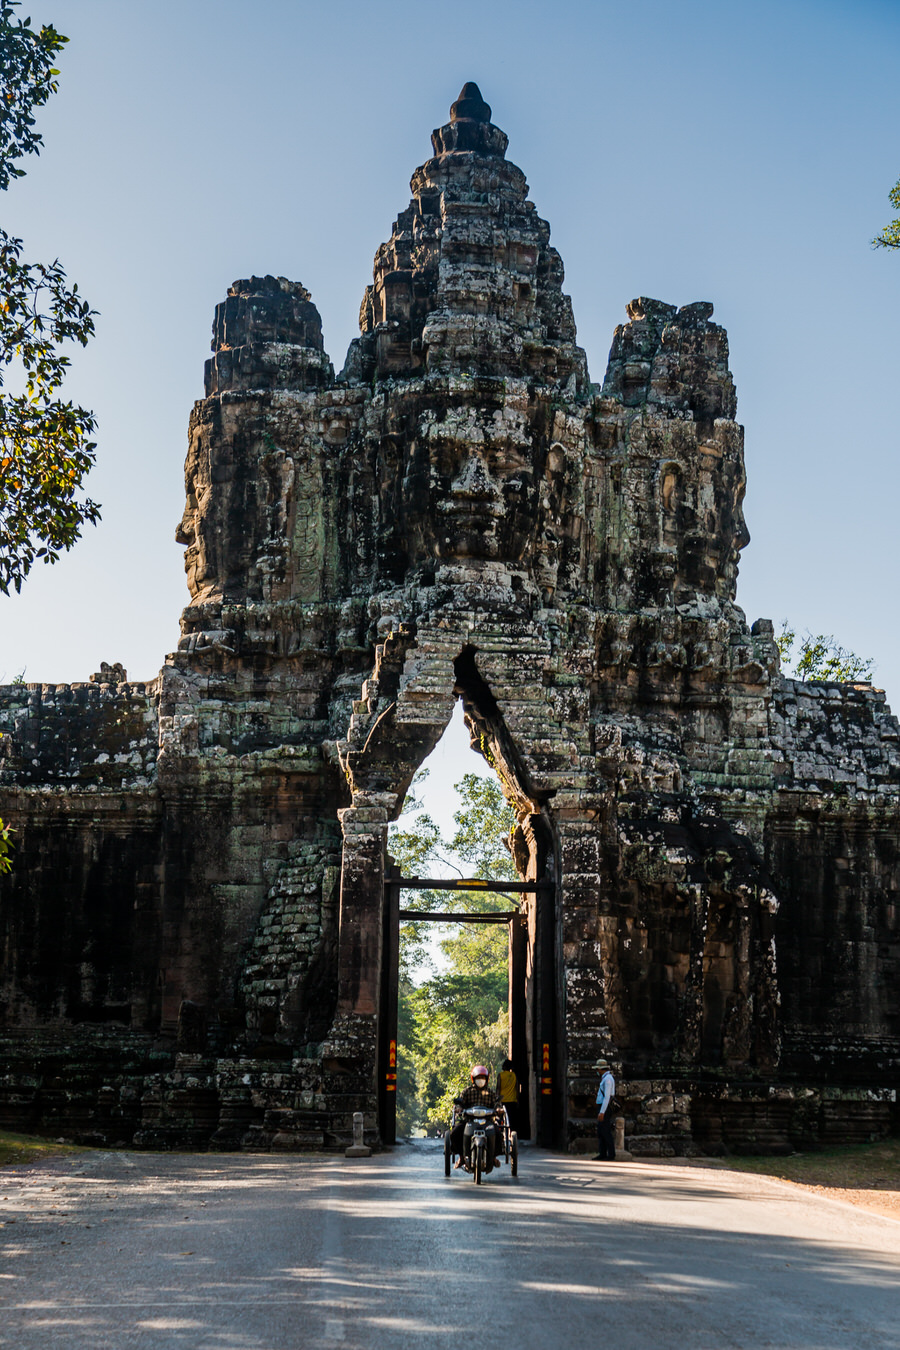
{"x": 478, "y": 1120}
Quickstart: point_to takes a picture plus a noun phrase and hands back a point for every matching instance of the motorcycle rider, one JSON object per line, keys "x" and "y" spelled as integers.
{"x": 477, "y": 1094}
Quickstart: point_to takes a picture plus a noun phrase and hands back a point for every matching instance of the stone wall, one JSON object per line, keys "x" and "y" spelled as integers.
{"x": 194, "y": 928}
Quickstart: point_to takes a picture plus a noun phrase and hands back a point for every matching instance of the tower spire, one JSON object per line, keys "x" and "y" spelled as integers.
{"x": 470, "y": 106}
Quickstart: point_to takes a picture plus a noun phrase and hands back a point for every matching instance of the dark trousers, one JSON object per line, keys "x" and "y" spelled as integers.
{"x": 606, "y": 1138}
{"x": 512, "y": 1112}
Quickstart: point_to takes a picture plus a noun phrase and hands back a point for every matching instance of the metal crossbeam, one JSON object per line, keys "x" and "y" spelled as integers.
{"x": 498, "y": 916}
{"x": 470, "y": 884}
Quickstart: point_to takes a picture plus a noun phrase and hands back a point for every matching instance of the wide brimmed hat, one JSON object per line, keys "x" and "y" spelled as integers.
{"x": 601, "y": 1064}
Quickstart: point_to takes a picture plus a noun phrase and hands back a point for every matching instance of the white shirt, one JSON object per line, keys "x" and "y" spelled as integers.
{"x": 605, "y": 1091}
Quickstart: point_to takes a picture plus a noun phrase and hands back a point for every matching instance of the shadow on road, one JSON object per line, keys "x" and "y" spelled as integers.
{"x": 234, "y": 1252}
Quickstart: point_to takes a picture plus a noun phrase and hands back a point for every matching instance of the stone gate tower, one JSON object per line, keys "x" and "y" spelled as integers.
{"x": 194, "y": 927}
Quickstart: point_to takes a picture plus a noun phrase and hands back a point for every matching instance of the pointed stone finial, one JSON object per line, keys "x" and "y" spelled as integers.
{"x": 470, "y": 127}
{"x": 470, "y": 106}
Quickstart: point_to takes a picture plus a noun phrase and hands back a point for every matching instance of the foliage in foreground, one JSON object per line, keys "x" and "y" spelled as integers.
{"x": 45, "y": 445}
{"x": 820, "y": 658}
{"x": 455, "y": 1016}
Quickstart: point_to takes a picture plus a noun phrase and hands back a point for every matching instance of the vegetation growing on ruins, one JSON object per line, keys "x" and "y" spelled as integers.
{"x": 45, "y": 445}
{"x": 5, "y": 847}
{"x": 820, "y": 657}
{"x": 455, "y": 1015}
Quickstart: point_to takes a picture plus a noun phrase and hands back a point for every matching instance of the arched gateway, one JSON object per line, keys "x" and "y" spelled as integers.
{"x": 404, "y": 726}
{"x": 196, "y": 920}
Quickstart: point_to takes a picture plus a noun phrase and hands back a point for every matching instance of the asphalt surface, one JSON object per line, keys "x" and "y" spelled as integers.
{"x": 251, "y": 1252}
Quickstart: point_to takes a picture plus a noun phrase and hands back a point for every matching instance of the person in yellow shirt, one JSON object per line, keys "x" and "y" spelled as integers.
{"x": 508, "y": 1092}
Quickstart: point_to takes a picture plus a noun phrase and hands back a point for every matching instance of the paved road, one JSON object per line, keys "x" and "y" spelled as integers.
{"x": 110, "y": 1251}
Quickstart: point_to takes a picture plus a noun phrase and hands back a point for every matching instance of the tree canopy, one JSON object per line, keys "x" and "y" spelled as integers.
{"x": 28, "y": 78}
{"x": 890, "y": 237}
{"x": 45, "y": 445}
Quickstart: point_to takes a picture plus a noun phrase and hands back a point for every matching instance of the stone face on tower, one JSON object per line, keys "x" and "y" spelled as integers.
{"x": 198, "y": 932}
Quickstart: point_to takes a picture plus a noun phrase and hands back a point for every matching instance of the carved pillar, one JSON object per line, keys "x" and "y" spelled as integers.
{"x": 690, "y": 1021}
{"x": 362, "y": 892}
{"x": 588, "y": 934}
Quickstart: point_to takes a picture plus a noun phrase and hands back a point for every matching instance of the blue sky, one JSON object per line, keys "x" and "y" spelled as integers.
{"x": 734, "y": 152}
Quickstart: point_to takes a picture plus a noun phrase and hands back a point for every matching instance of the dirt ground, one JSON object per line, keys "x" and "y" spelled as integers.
{"x": 867, "y": 1175}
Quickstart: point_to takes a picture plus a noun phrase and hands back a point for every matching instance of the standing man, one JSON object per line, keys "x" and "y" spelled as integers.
{"x": 508, "y": 1091}
{"x": 605, "y": 1137}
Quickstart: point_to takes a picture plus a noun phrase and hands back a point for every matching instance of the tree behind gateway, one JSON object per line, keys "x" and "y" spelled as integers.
{"x": 455, "y": 1016}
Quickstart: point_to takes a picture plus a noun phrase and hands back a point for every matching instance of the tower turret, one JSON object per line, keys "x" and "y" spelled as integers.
{"x": 468, "y": 279}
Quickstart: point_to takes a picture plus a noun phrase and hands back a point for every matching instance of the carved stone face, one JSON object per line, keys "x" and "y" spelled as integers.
{"x": 703, "y": 526}
{"x": 723, "y": 517}
{"x": 740, "y": 537}
{"x": 471, "y": 513}
{"x": 194, "y": 528}
{"x": 470, "y": 487}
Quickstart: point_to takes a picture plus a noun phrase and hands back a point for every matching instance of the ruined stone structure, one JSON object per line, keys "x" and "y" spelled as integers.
{"x": 193, "y": 931}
